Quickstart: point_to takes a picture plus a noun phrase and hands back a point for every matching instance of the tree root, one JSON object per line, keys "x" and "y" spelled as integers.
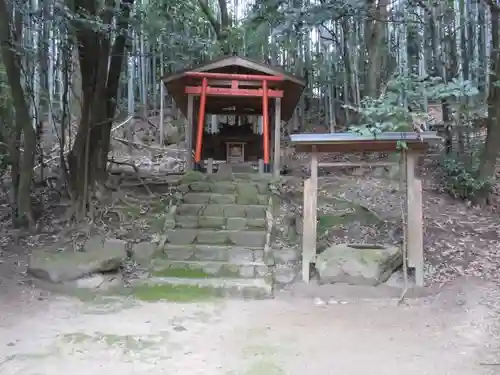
{"x": 136, "y": 170}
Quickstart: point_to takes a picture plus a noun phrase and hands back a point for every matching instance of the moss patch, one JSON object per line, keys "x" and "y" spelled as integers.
{"x": 173, "y": 293}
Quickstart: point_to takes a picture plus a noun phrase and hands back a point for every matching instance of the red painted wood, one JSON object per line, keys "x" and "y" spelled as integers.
{"x": 240, "y": 77}
{"x": 222, "y": 91}
{"x": 265, "y": 121}
{"x": 201, "y": 120}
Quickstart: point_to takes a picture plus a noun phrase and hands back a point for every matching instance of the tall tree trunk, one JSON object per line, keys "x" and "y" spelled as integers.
{"x": 23, "y": 176}
{"x": 492, "y": 145}
{"x": 89, "y": 155}
{"x": 374, "y": 37}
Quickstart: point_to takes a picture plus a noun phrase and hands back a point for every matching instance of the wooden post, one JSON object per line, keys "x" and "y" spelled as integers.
{"x": 189, "y": 132}
{"x": 277, "y": 137}
{"x": 308, "y": 239}
{"x": 210, "y": 165}
{"x": 265, "y": 125}
{"x": 261, "y": 166}
{"x": 201, "y": 123}
{"x": 314, "y": 181}
{"x": 414, "y": 223}
{"x": 309, "y": 220}
{"x": 214, "y": 124}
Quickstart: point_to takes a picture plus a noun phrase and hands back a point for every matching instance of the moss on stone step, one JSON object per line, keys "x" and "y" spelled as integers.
{"x": 173, "y": 293}
{"x": 201, "y": 270}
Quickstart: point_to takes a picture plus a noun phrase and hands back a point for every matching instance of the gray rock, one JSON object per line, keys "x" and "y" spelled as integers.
{"x": 223, "y": 198}
{"x": 241, "y": 255}
{"x": 225, "y": 171}
{"x": 223, "y": 187}
{"x": 286, "y": 255}
{"x": 196, "y": 198}
{"x": 248, "y": 238}
{"x": 186, "y": 222}
{"x": 143, "y": 252}
{"x": 285, "y": 274}
{"x": 211, "y": 222}
{"x": 181, "y": 236}
{"x": 247, "y": 272}
{"x": 59, "y": 266}
{"x": 357, "y": 264}
{"x": 208, "y": 237}
{"x": 200, "y": 186}
{"x": 236, "y": 223}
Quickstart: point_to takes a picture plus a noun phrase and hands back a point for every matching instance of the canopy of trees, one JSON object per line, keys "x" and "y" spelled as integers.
{"x": 72, "y": 67}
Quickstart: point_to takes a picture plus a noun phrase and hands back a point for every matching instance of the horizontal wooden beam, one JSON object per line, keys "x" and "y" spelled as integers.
{"x": 229, "y": 83}
{"x": 366, "y": 146}
{"x": 363, "y": 164}
{"x": 219, "y": 91}
{"x": 235, "y": 112}
{"x": 240, "y": 77}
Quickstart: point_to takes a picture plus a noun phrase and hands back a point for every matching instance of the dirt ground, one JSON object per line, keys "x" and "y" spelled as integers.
{"x": 303, "y": 331}
{"x": 454, "y": 332}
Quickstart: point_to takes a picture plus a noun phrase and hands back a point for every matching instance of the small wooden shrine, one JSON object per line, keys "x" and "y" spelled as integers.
{"x": 256, "y": 96}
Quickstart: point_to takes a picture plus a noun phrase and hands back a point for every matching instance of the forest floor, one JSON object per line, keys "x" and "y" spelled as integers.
{"x": 454, "y": 332}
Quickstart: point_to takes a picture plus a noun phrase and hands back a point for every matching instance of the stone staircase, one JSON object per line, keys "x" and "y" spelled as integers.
{"x": 217, "y": 238}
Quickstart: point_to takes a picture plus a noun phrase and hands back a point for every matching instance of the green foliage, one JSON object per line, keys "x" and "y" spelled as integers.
{"x": 461, "y": 177}
{"x": 388, "y": 112}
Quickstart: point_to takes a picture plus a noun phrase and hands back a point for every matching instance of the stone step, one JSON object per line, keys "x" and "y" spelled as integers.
{"x": 221, "y": 253}
{"x": 201, "y": 270}
{"x": 250, "y": 211}
{"x": 217, "y": 287}
{"x": 241, "y": 188}
{"x": 216, "y": 237}
{"x": 226, "y": 198}
{"x": 218, "y": 222}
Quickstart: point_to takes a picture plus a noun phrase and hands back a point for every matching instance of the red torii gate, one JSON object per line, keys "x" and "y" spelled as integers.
{"x": 205, "y": 90}
{"x": 234, "y": 85}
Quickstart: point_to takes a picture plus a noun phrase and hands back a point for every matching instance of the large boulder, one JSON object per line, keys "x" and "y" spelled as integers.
{"x": 358, "y": 264}
{"x": 60, "y": 265}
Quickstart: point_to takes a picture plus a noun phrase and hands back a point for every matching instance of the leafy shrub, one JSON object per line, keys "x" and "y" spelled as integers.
{"x": 461, "y": 177}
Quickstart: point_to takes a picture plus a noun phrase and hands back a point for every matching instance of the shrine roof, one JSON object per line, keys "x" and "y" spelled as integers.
{"x": 352, "y": 142}
{"x": 291, "y": 85}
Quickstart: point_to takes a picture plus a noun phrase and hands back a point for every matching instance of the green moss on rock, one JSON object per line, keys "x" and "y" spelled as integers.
{"x": 173, "y": 293}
